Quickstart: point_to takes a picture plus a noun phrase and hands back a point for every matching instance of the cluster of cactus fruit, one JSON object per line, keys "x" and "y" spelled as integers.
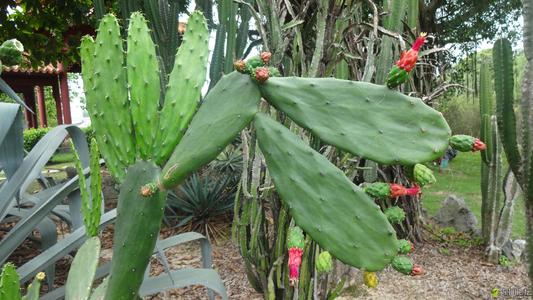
{"x": 151, "y": 147}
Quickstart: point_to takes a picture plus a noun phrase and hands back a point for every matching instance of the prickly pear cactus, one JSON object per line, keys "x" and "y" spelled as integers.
{"x": 404, "y": 246}
{"x": 136, "y": 231}
{"x": 378, "y": 190}
{"x": 9, "y": 283}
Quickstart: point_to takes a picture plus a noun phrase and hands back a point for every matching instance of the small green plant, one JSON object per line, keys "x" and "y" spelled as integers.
{"x": 505, "y": 262}
{"x": 445, "y": 251}
{"x": 447, "y": 231}
{"x": 200, "y": 200}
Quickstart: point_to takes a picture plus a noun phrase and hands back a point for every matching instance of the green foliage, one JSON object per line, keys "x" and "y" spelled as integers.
{"x": 200, "y": 199}
{"x": 462, "y": 115}
{"x": 9, "y": 283}
{"x": 32, "y": 136}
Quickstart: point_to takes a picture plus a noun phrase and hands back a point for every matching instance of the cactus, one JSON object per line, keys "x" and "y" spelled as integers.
{"x": 136, "y": 231}
{"x": 305, "y": 180}
{"x": 9, "y": 283}
{"x": 395, "y": 214}
{"x": 400, "y": 72}
{"x": 466, "y": 143}
{"x": 83, "y": 269}
{"x": 497, "y": 202}
{"x": 226, "y": 110}
{"x": 423, "y": 175}
{"x": 382, "y": 190}
{"x": 34, "y": 287}
{"x": 92, "y": 209}
{"x": 143, "y": 80}
{"x": 363, "y": 112}
{"x": 185, "y": 84}
{"x": 520, "y": 161}
{"x": 404, "y": 246}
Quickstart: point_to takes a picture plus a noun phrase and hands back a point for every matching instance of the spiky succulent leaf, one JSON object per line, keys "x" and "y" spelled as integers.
{"x": 83, "y": 269}
{"x": 9, "y": 283}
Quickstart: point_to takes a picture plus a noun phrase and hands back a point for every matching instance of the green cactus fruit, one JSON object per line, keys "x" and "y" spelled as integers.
{"x": 404, "y": 246}
{"x": 83, "y": 269}
{"x": 379, "y": 190}
{"x": 11, "y": 52}
{"x": 295, "y": 238}
{"x": 466, "y": 143}
{"x": 115, "y": 167}
{"x": 273, "y": 72}
{"x": 226, "y": 110}
{"x": 136, "y": 231}
{"x": 332, "y": 210}
{"x": 9, "y": 283}
{"x": 396, "y": 77}
{"x": 324, "y": 262}
{"x": 184, "y": 86}
{"x": 423, "y": 175}
{"x": 395, "y": 215}
{"x": 364, "y": 119}
{"x": 402, "y": 264}
{"x": 143, "y": 81}
{"x": 253, "y": 63}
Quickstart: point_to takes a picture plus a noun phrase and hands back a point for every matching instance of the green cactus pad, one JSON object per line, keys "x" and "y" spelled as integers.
{"x": 404, "y": 246}
{"x": 115, "y": 167}
{"x": 9, "y": 283}
{"x": 136, "y": 231}
{"x": 324, "y": 262}
{"x": 395, "y": 215}
{"x": 295, "y": 238}
{"x": 184, "y": 85}
{"x": 379, "y": 190}
{"x": 364, "y": 119}
{"x": 143, "y": 80}
{"x": 337, "y": 214}
{"x": 423, "y": 175}
{"x": 462, "y": 142}
{"x": 226, "y": 110}
{"x": 402, "y": 264}
{"x": 83, "y": 269}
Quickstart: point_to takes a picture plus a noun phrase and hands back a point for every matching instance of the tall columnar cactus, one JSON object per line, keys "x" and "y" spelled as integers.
{"x": 498, "y": 193}
{"x": 519, "y": 151}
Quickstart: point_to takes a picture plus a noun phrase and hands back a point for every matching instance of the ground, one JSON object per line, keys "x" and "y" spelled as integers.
{"x": 454, "y": 264}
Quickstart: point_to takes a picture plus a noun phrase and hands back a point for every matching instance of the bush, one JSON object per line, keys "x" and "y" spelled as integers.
{"x": 32, "y": 136}
{"x": 89, "y": 133}
{"x": 462, "y": 115}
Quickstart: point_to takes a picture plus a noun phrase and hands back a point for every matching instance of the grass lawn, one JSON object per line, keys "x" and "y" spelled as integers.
{"x": 462, "y": 178}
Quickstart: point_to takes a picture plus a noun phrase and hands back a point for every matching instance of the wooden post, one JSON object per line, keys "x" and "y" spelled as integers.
{"x": 57, "y": 100}
{"x": 63, "y": 87}
{"x": 43, "y": 122}
{"x": 29, "y": 98}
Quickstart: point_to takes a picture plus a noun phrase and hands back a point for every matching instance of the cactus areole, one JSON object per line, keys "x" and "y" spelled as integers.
{"x": 407, "y": 61}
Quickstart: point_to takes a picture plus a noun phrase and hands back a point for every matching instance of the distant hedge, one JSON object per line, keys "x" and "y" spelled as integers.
{"x": 33, "y": 135}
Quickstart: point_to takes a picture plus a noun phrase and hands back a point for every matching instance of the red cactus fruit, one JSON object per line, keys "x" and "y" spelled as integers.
{"x": 478, "y": 145}
{"x": 417, "y": 270}
{"x": 240, "y": 66}
{"x": 261, "y": 74}
{"x": 397, "y": 190}
{"x": 265, "y": 57}
{"x": 412, "y": 191}
{"x": 295, "y": 260}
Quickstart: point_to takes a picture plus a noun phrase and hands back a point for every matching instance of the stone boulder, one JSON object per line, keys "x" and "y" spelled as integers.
{"x": 514, "y": 250}
{"x": 455, "y": 213}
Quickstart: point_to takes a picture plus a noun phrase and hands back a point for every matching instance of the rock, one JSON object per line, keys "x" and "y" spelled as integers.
{"x": 514, "y": 250}
{"x": 71, "y": 172}
{"x": 455, "y": 213}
